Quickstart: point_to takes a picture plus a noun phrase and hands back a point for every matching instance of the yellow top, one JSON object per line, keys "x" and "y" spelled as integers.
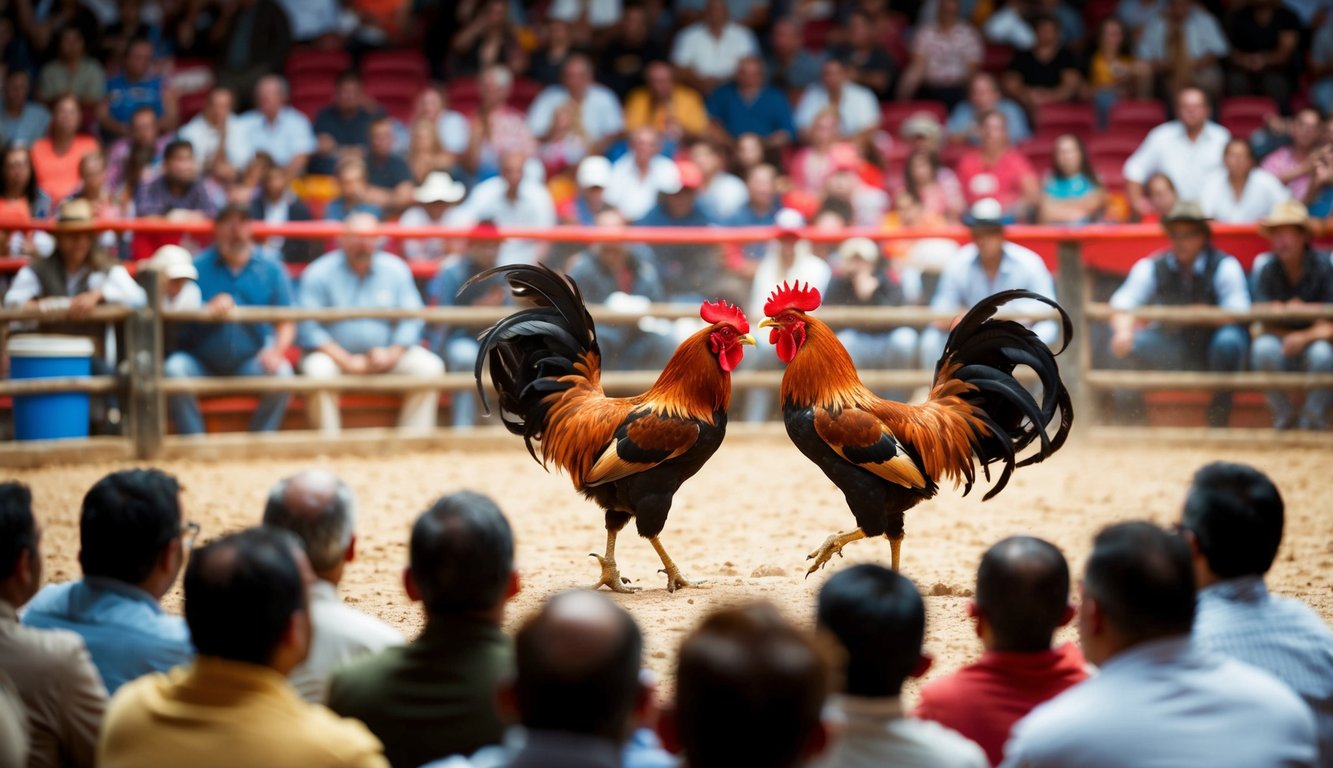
{"x": 1101, "y": 73}
{"x": 687, "y": 109}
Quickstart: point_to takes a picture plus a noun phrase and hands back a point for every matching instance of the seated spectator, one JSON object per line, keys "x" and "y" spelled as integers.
{"x": 358, "y": 274}
{"x": 1242, "y": 193}
{"x": 1193, "y": 63}
{"x": 1045, "y": 74}
{"x": 1218, "y": 280}
{"x": 1160, "y": 195}
{"x": 1072, "y": 193}
{"x": 250, "y": 41}
{"x": 856, "y": 107}
{"x": 314, "y": 21}
{"x": 320, "y": 510}
{"x": 597, "y": 107}
{"x": 56, "y": 156}
{"x": 451, "y": 127}
{"x": 708, "y": 51}
{"x": 639, "y": 175}
{"x": 812, "y": 165}
{"x": 50, "y": 669}
{"x": 1321, "y": 67}
{"x": 511, "y": 200}
{"x": 750, "y": 690}
{"x": 353, "y": 192}
{"x": 564, "y": 145}
{"x": 273, "y": 128}
{"x": 845, "y": 187}
{"x": 931, "y": 195}
{"x": 944, "y": 55}
{"x": 436, "y": 695}
{"x": 996, "y": 170}
{"x": 1158, "y": 697}
{"x": 748, "y": 105}
{"x": 922, "y": 131}
{"x": 983, "y": 96}
{"x": 555, "y": 47}
{"x": 1022, "y": 597}
{"x": 1134, "y": 14}
{"x": 1111, "y": 72}
{"x": 342, "y": 129}
{"x": 864, "y": 278}
{"x": 136, "y": 159}
{"x": 674, "y": 110}
{"x": 72, "y": 72}
{"x": 136, "y": 88}
{"x": 722, "y": 194}
{"x": 208, "y": 133}
{"x": 1232, "y": 520}
{"x": 628, "y": 51}
{"x": 1293, "y": 164}
{"x": 389, "y": 178}
{"x": 687, "y": 269}
{"x": 107, "y": 205}
{"x": 20, "y": 197}
{"x": 496, "y": 127}
{"x": 277, "y": 204}
{"x": 867, "y": 63}
{"x": 435, "y": 201}
{"x": 1293, "y": 273}
{"x": 793, "y": 66}
{"x": 247, "y": 606}
{"x": 1188, "y": 150}
{"x": 760, "y": 209}
{"x": 425, "y": 152}
{"x": 130, "y": 549}
{"x": 234, "y": 272}
{"x": 178, "y": 277}
{"x": 488, "y": 39}
{"x": 178, "y": 194}
{"x": 1265, "y": 40}
{"x": 591, "y": 18}
{"x": 21, "y": 121}
{"x": 593, "y": 177}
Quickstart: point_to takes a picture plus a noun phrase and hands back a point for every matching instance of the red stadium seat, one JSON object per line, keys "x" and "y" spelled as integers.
{"x": 394, "y": 64}
{"x": 329, "y": 63}
{"x": 524, "y": 93}
{"x": 996, "y": 58}
{"x": 1038, "y": 151}
{"x": 1112, "y": 149}
{"x": 1244, "y": 125}
{"x": 191, "y": 104}
{"x": 462, "y": 89}
{"x": 1136, "y": 116}
{"x": 397, "y": 97}
{"x": 816, "y": 33}
{"x": 1111, "y": 174}
{"x": 1246, "y": 107}
{"x": 1057, "y": 119}
{"x": 893, "y": 113}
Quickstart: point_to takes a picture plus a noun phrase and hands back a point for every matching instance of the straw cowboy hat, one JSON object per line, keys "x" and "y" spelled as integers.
{"x": 1288, "y": 213}
{"x": 440, "y": 187}
{"x": 74, "y": 216}
{"x": 1186, "y": 211}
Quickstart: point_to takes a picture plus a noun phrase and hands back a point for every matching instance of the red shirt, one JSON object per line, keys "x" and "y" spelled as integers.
{"x": 983, "y": 700}
{"x": 1003, "y": 180}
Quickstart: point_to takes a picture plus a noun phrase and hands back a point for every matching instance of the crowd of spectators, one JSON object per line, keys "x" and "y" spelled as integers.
{"x": 1182, "y": 655}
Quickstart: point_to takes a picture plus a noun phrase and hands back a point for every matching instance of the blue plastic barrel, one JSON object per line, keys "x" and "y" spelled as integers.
{"x": 54, "y": 416}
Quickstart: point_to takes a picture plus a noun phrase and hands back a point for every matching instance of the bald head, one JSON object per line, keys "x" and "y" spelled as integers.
{"x": 1023, "y": 593}
{"x": 320, "y": 509}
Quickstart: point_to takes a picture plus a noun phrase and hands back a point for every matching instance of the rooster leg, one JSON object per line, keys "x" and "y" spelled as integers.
{"x": 895, "y": 545}
{"x": 832, "y": 546}
{"x": 674, "y": 580}
{"x": 611, "y": 578}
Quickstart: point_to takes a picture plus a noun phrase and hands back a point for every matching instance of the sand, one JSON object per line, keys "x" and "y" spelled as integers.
{"x": 745, "y": 524}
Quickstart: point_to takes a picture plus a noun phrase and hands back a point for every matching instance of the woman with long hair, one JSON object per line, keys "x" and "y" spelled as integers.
{"x": 931, "y": 194}
{"x": 1112, "y": 72}
{"x": 56, "y": 156}
{"x": 425, "y": 152}
{"x": 1072, "y": 193}
{"x": 1241, "y": 193}
{"x": 20, "y": 197}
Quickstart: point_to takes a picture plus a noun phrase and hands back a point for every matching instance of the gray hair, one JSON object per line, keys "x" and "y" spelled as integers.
{"x": 500, "y": 76}
{"x": 320, "y": 509}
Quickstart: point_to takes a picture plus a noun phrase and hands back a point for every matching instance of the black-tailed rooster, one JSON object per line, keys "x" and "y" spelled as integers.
{"x": 628, "y": 454}
{"x": 887, "y": 457}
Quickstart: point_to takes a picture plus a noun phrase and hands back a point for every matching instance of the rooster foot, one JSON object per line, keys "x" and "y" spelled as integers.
{"x": 675, "y": 581}
{"x": 611, "y": 578}
{"x": 832, "y": 546}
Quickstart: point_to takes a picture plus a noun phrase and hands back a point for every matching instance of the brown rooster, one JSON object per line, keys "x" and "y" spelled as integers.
{"x": 887, "y": 457}
{"x": 628, "y": 454}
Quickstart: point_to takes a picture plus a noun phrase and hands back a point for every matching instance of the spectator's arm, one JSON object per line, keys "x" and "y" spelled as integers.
{"x": 1137, "y": 169}
{"x": 25, "y": 288}
{"x": 1229, "y": 281}
{"x": 912, "y": 77}
{"x": 120, "y": 288}
{"x": 110, "y": 126}
{"x": 1287, "y": 41}
{"x": 170, "y": 109}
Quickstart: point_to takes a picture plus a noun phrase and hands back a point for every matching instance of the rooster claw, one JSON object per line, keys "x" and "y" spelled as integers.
{"x": 611, "y": 578}
{"x": 675, "y": 581}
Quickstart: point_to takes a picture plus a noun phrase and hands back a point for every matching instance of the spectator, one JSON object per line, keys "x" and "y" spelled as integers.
{"x": 360, "y": 275}
{"x": 597, "y": 108}
{"x": 564, "y": 145}
{"x": 931, "y": 195}
{"x": 593, "y": 177}
{"x": 845, "y": 186}
{"x": 107, "y": 205}
{"x": 252, "y": 38}
{"x": 748, "y": 105}
{"x": 389, "y": 178}
{"x": 247, "y": 606}
{"x": 56, "y": 156}
{"x": 1022, "y": 597}
{"x": 14, "y": 743}
{"x": 1188, "y": 150}
{"x": 995, "y": 169}
{"x": 1321, "y": 67}
{"x": 320, "y": 510}
{"x": 435, "y": 200}
{"x": 425, "y": 152}
{"x": 749, "y": 691}
{"x": 1134, "y": 14}
{"x": 944, "y": 56}
{"x": 921, "y": 131}
{"x": 675, "y": 111}
{"x": 130, "y": 549}
{"x": 864, "y": 278}
{"x": 1218, "y": 280}
{"x": 436, "y": 695}
{"x": 1232, "y": 520}
{"x": 178, "y": 194}
{"x": 1183, "y": 44}
{"x": 1158, "y": 698}
{"x": 234, "y": 272}
{"x": 592, "y": 18}
{"x": 381, "y": 24}
{"x": 812, "y": 165}
{"x": 640, "y": 175}
{"x": 452, "y": 127}
{"x": 709, "y": 51}
{"x": 1265, "y": 38}
{"x": 354, "y": 193}
{"x": 50, "y": 669}
{"x": 273, "y": 128}
{"x": 750, "y": 153}
{"x": 760, "y": 209}
{"x": 1072, "y": 193}
{"x": 1111, "y": 72}
{"x": 1293, "y": 164}
{"x": 314, "y": 21}
{"x": 856, "y": 107}
{"x": 277, "y": 204}
{"x": 722, "y": 194}
{"x": 687, "y": 269}
{"x": 983, "y": 96}
{"x": 342, "y": 129}
{"x": 1045, "y": 74}
{"x": 1161, "y": 198}
{"x": 72, "y": 72}
{"x": 867, "y": 63}
{"x": 1293, "y": 273}
{"x": 510, "y": 200}
{"x": 20, "y": 197}
{"x": 794, "y": 67}
{"x": 135, "y": 88}
{"x": 136, "y": 159}
{"x": 629, "y": 50}
{"x": 208, "y": 132}
{"x": 1242, "y": 193}
{"x": 488, "y": 39}
{"x": 556, "y": 46}
{"x": 21, "y": 121}
{"x": 178, "y": 277}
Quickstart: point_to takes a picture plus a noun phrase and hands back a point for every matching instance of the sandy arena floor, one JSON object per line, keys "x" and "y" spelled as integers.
{"x": 744, "y": 524}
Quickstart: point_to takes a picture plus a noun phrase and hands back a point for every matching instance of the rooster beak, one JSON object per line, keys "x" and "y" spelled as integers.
{"x": 747, "y": 339}
{"x": 768, "y": 322}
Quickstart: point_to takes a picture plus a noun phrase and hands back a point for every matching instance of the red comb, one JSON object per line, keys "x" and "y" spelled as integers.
{"x": 806, "y": 299}
{"x": 722, "y": 312}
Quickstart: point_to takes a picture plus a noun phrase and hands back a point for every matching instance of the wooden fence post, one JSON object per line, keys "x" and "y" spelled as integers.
{"x": 1074, "y": 294}
{"x": 143, "y": 340}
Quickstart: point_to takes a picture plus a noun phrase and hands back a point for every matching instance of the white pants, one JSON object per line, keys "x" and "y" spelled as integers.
{"x": 418, "y": 414}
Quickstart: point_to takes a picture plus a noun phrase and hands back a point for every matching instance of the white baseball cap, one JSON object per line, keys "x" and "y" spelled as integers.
{"x": 594, "y": 171}
{"x": 174, "y": 262}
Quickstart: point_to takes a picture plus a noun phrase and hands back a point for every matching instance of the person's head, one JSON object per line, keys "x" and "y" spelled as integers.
{"x": 1161, "y": 193}
{"x": 1069, "y": 158}
{"x": 275, "y": 182}
{"x": 834, "y": 216}
{"x": 66, "y": 116}
{"x": 1288, "y": 231}
{"x": 18, "y": 86}
{"x": 20, "y": 545}
{"x": 512, "y": 163}
{"x": 661, "y": 81}
{"x": 634, "y": 27}
{"x": 231, "y": 231}
{"x": 1305, "y": 129}
{"x": 749, "y": 691}
{"x": 73, "y": 233}
{"x": 320, "y": 509}
{"x": 72, "y": 46}
{"x": 785, "y": 37}
{"x": 178, "y": 163}
{"x": 1192, "y": 108}
{"x": 130, "y": 530}
{"x": 358, "y": 241}
{"x": 879, "y": 619}
{"x": 762, "y": 183}
{"x": 143, "y": 127}
{"x": 860, "y": 30}
{"x": 750, "y": 150}
{"x": 1112, "y": 40}
{"x": 246, "y": 601}
{"x": 423, "y": 136}
{"x": 833, "y": 75}
{"x": 679, "y": 200}
{"x": 612, "y": 254}
{"x": 644, "y": 144}
{"x": 461, "y": 557}
{"x": 716, "y": 14}
{"x": 1138, "y": 586}
{"x": 824, "y": 129}
{"x": 138, "y": 58}
{"x": 1188, "y": 230}
{"x": 92, "y": 172}
{"x": 993, "y": 131}
{"x": 19, "y": 180}
{"x": 949, "y": 12}
{"x": 1178, "y": 10}
{"x": 221, "y": 102}
{"x": 576, "y": 75}
{"x": 430, "y": 104}
{"x": 750, "y": 73}
{"x": 919, "y": 171}
{"x": 347, "y": 93}
{"x": 351, "y": 177}
{"x": 483, "y": 246}
{"x": 270, "y": 95}
{"x": 706, "y": 158}
{"x": 1238, "y": 157}
{"x": 983, "y": 93}
{"x": 380, "y": 137}
{"x": 496, "y": 83}
{"x": 1046, "y": 30}
{"x": 1022, "y": 595}
{"x": 1233, "y": 519}
{"x": 577, "y": 664}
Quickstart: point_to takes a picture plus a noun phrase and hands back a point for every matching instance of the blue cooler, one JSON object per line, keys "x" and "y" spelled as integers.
{"x": 47, "y": 417}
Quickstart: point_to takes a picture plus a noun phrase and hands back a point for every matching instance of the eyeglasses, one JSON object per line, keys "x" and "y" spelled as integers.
{"x": 190, "y": 532}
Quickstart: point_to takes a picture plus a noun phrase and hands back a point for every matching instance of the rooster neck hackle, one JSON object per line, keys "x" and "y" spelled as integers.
{"x": 828, "y": 376}
{"x": 693, "y": 384}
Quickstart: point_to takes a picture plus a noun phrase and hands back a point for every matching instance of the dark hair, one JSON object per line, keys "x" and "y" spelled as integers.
{"x": 909, "y": 183}
{"x": 1144, "y": 580}
{"x": 1023, "y": 589}
{"x": 1249, "y": 150}
{"x": 18, "y": 528}
{"x": 578, "y": 669}
{"x": 321, "y": 515}
{"x": 1236, "y": 515}
{"x": 30, "y": 189}
{"x": 1159, "y": 175}
{"x": 347, "y": 76}
{"x": 462, "y": 553}
{"x": 176, "y": 145}
{"x": 1084, "y": 163}
{"x": 749, "y": 690}
{"x": 138, "y": 39}
{"x": 878, "y": 617}
{"x": 1124, "y": 50}
{"x": 128, "y": 518}
{"x": 1043, "y": 18}
{"x": 241, "y": 592}
{"x": 142, "y": 109}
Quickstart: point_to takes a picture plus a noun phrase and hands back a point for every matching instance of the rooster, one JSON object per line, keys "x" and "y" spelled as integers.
{"x": 887, "y": 457}
{"x": 627, "y": 454}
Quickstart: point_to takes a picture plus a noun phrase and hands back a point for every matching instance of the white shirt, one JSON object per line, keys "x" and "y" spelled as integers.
{"x": 1168, "y": 149}
{"x": 714, "y": 57}
{"x": 116, "y": 285}
{"x": 807, "y": 268}
{"x": 1007, "y": 27}
{"x": 205, "y": 137}
{"x": 1262, "y": 191}
{"x": 633, "y": 193}
{"x": 341, "y": 633}
{"x": 430, "y": 248}
{"x": 283, "y": 139}
{"x": 600, "y": 111}
{"x": 311, "y": 18}
{"x": 1203, "y": 37}
{"x": 454, "y": 131}
{"x": 1166, "y": 703}
{"x": 858, "y": 109}
{"x": 188, "y": 298}
{"x": 723, "y": 196}
{"x": 964, "y": 283}
{"x": 877, "y": 732}
{"x": 531, "y": 207}
{"x": 600, "y": 13}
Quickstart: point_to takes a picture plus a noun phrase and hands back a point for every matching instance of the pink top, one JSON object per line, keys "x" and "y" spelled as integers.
{"x": 950, "y": 56}
{"x": 1284, "y": 161}
{"x": 1002, "y": 180}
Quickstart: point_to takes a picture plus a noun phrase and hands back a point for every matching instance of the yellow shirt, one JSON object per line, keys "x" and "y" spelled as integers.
{"x": 223, "y": 714}
{"x": 687, "y": 108}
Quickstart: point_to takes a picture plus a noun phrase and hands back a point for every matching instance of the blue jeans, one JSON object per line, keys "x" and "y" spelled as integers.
{"x": 460, "y": 356}
{"x": 1188, "y": 349}
{"x": 1267, "y": 355}
{"x": 184, "y": 409}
